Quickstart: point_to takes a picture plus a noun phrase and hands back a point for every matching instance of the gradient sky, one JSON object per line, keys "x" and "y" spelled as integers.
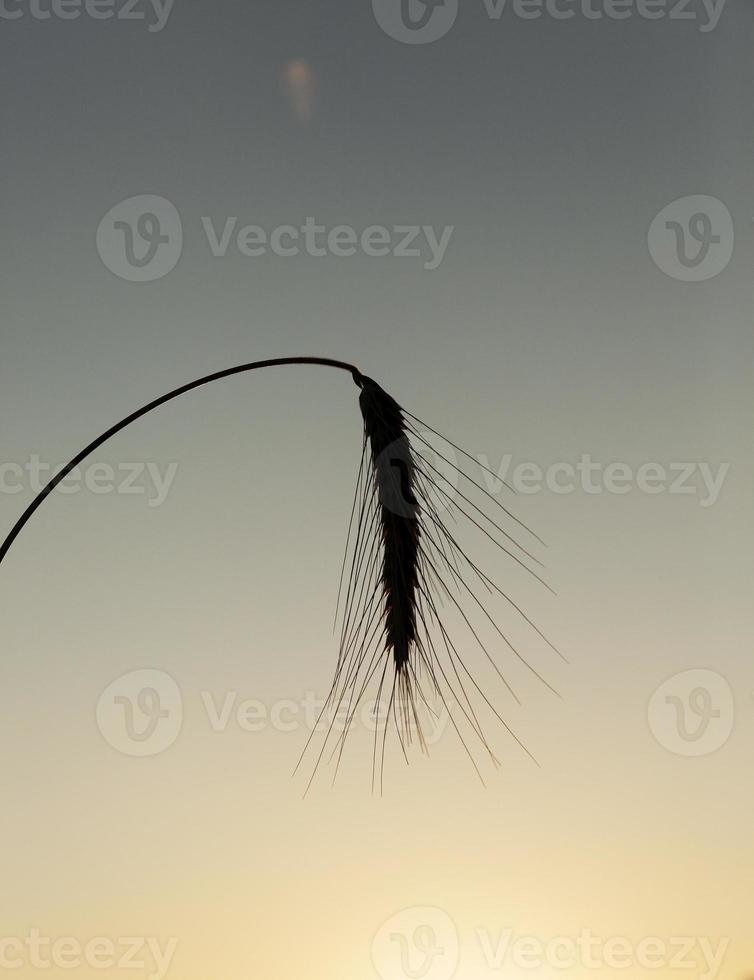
{"x": 547, "y": 332}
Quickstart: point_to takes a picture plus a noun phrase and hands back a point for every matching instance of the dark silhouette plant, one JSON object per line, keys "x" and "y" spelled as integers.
{"x": 402, "y": 562}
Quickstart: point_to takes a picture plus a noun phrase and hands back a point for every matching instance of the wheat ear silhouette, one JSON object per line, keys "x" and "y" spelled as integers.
{"x": 402, "y": 564}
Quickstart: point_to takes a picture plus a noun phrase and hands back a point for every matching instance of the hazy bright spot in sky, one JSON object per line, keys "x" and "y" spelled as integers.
{"x": 300, "y": 86}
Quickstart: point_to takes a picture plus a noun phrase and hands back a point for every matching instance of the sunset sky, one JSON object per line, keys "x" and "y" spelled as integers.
{"x": 529, "y": 321}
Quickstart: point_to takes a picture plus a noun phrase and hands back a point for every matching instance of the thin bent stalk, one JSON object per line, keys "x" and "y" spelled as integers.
{"x": 113, "y": 430}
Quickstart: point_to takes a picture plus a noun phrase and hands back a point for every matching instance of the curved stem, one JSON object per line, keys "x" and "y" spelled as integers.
{"x": 217, "y": 376}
